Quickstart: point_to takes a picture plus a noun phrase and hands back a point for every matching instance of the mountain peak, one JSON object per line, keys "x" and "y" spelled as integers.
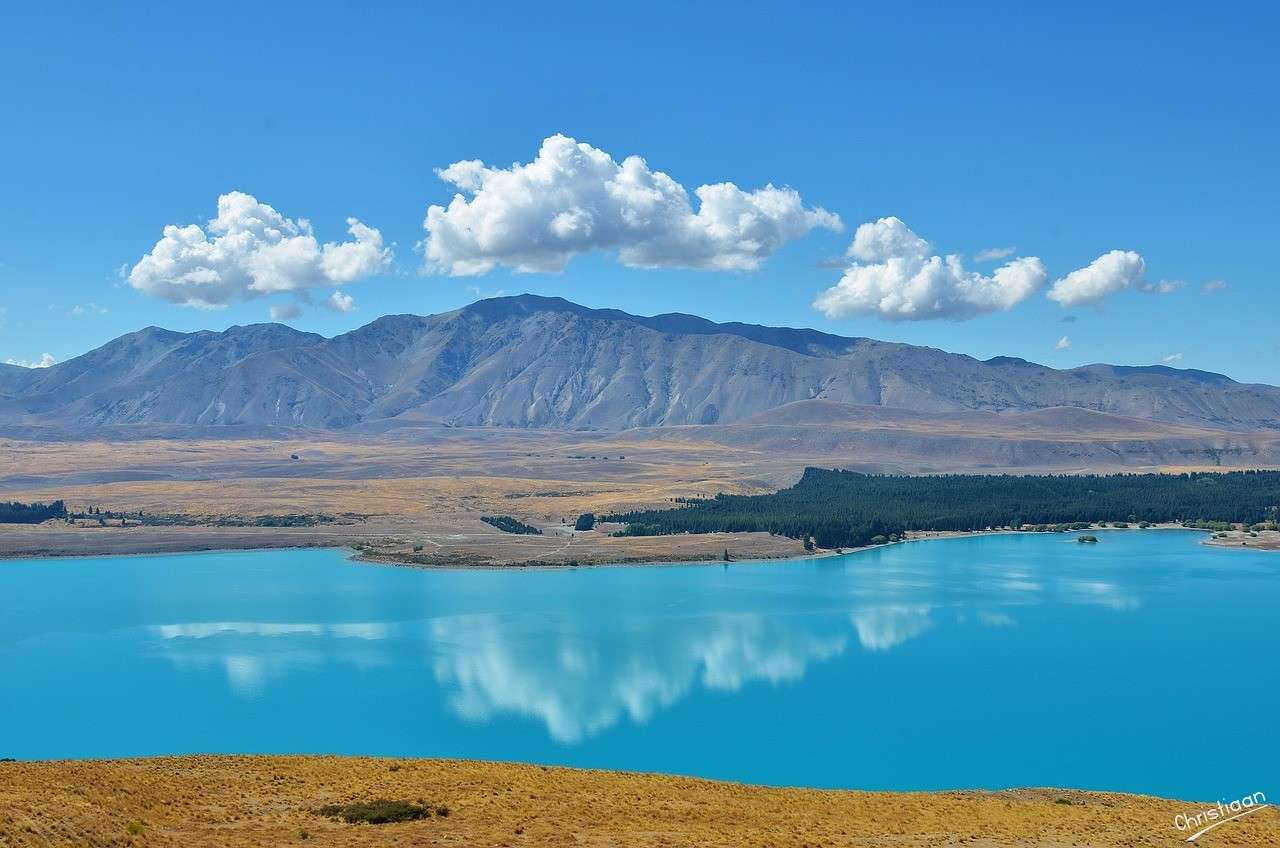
{"x": 488, "y": 364}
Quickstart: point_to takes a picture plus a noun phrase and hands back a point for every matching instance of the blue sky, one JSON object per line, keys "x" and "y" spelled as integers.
{"x": 1065, "y": 134}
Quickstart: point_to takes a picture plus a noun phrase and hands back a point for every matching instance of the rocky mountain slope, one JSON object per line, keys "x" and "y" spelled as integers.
{"x": 531, "y": 361}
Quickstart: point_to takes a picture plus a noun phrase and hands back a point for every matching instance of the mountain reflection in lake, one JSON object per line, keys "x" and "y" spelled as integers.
{"x": 995, "y": 661}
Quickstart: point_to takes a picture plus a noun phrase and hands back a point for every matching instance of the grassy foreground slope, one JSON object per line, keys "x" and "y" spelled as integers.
{"x": 849, "y": 509}
{"x": 260, "y": 801}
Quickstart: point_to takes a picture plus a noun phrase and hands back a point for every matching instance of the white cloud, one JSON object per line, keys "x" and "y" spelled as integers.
{"x": 250, "y": 250}
{"x": 480, "y": 294}
{"x": 45, "y": 360}
{"x": 342, "y": 302}
{"x": 1213, "y": 286}
{"x": 993, "y": 253}
{"x": 574, "y": 198}
{"x": 1108, "y": 274}
{"x": 898, "y": 279}
{"x": 285, "y": 311}
{"x": 1063, "y": 343}
{"x": 81, "y": 309}
{"x": 1162, "y": 287}
{"x": 1172, "y": 358}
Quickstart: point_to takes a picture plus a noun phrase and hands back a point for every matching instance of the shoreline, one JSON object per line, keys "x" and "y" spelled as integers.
{"x": 241, "y": 801}
{"x": 1234, "y": 541}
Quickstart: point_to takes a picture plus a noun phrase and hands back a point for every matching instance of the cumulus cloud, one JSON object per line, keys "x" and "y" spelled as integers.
{"x": 1108, "y": 274}
{"x": 81, "y": 309}
{"x": 285, "y": 311}
{"x": 993, "y": 253}
{"x": 1172, "y": 358}
{"x": 481, "y": 294}
{"x": 250, "y": 250}
{"x": 1162, "y": 287}
{"x": 574, "y": 198}
{"x": 45, "y": 360}
{"x": 896, "y": 276}
{"x": 1063, "y": 343}
{"x": 1213, "y": 286}
{"x": 342, "y": 302}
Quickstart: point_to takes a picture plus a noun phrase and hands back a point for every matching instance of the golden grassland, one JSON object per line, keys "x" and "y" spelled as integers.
{"x": 481, "y": 472}
{"x": 232, "y": 802}
{"x": 414, "y": 497}
{"x": 421, "y": 500}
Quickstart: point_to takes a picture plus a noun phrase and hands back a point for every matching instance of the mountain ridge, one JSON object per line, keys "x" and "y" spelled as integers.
{"x": 532, "y": 361}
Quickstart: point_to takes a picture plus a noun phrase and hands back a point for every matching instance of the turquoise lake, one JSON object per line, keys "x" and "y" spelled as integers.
{"x": 1145, "y": 663}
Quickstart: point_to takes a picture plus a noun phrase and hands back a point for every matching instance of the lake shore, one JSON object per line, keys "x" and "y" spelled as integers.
{"x": 1262, "y": 540}
{"x": 390, "y": 543}
{"x": 235, "y": 802}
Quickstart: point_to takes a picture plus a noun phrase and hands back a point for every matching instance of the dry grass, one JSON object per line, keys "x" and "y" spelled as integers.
{"x": 271, "y": 801}
{"x": 427, "y": 494}
{"x": 422, "y": 492}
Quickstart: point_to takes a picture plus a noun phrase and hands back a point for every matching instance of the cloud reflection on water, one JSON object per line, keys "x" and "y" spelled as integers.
{"x": 579, "y": 675}
{"x": 579, "y": 683}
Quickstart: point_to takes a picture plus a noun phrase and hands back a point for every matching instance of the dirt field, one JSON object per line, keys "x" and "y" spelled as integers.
{"x": 271, "y": 801}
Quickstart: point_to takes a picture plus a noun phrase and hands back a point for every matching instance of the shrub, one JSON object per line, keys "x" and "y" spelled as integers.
{"x": 379, "y": 811}
{"x": 586, "y": 521}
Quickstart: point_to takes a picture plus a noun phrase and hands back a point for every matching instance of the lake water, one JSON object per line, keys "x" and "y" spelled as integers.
{"x": 1144, "y": 663}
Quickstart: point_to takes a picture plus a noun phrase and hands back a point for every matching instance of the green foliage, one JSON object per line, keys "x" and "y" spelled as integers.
{"x": 587, "y": 521}
{"x": 20, "y": 513}
{"x": 1210, "y": 525}
{"x": 380, "y": 811}
{"x": 507, "y": 524}
{"x": 849, "y": 509}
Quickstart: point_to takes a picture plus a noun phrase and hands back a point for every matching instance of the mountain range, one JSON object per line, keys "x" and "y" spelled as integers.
{"x": 538, "y": 362}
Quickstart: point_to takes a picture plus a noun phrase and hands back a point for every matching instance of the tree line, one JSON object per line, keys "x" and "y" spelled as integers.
{"x": 14, "y": 512}
{"x": 507, "y": 524}
{"x": 851, "y": 509}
